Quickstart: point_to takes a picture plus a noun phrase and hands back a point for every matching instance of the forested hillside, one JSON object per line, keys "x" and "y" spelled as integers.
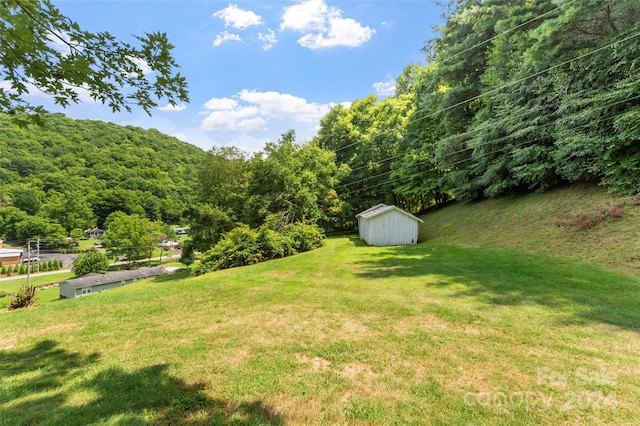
{"x": 71, "y": 174}
{"x": 514, "y": 97}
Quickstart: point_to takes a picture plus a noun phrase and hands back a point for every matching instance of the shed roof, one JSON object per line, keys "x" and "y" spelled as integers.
{"x": 9, "y": 252}
{"x": 383, "y": 208}
{"x": 90, "y": 280}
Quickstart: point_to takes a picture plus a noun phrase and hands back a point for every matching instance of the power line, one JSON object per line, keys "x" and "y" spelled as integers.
{"x": 487, "y": 154}
{"x": 497, "y": 89}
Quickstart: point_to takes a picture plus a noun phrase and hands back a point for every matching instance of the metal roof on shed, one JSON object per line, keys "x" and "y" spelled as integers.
{"x": 383, "y": 208}
{"x": 91, "y": 280}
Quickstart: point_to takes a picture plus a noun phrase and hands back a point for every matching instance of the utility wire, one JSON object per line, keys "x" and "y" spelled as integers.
{"x": 504, "y": 86}
{"x": 465, "y": 160}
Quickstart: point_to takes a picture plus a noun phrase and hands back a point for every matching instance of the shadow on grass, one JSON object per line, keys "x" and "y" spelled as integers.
{"x": 504, "y": 277}
{"x": 47, "y": 384}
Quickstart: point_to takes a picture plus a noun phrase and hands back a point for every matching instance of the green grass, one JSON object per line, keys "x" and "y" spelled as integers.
{"x": 526, "y": 224}
{"x": 435, "y": 333}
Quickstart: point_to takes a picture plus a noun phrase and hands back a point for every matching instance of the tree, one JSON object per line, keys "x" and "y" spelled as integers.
{"x": 112, "y": 71}
{"x": 188, "y": 255}
{"x": 70, "y": 209}
{"x": 36, "y": 226}
{"x": 131, "y": 236}
{"x": 207, "y": 225}
{"x": 223, "y": 177}
{"x": 90, "y": 261}
{"x": 295, "y": 182}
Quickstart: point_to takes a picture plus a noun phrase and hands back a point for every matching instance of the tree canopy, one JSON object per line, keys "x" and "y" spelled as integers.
{"x": 75, "y": 173}
{"x": 514, "y": 97}
{"x": 43, "y": 50}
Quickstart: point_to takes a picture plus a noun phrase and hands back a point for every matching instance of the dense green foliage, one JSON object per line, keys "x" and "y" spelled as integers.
{"x": 131, "y": 237}
{"x": 244, "y": 246}
{"x": 90, "y": 261}
{"x": 71, "y": 175}
{"x": 515, "y": 97}
{"x": 45, "y": 50}
{"x": 285, "y": 184}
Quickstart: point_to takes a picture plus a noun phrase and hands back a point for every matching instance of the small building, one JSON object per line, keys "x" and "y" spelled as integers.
{"x": 94, "y": 233}
{"x": 384, "y": 225}
{"x": 10, "y": 256}
{"x": 94, "y": 283}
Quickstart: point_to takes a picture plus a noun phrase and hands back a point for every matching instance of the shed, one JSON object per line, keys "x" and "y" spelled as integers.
{"x": 10, "y": 256}
{"x": 384, "y": 225}
{"x": 94, "y": 283}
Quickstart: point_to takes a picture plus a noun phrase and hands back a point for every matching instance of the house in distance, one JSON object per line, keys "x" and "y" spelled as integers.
{"x": 384, "y": 225}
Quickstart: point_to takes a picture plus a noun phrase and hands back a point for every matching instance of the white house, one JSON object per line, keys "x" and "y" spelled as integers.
{"x": 384, "y": 225}
{"x": 94, "y": 283}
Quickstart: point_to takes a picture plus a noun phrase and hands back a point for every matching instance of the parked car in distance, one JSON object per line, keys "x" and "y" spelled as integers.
{"x": 31, "y": 260}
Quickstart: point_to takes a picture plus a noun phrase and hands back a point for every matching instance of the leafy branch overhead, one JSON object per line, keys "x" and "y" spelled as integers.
{"x": 45, "y": 51}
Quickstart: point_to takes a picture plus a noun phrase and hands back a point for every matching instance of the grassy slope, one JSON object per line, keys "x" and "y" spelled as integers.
{"x": 426, "y": 334}
{"x": 526, "y": 224}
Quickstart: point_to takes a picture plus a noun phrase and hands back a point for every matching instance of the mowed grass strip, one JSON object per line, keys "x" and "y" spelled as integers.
{"x": 346, "y": 334}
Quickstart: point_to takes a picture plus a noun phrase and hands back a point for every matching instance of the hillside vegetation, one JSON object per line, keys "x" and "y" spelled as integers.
{"x": 74, "y": 173}
{"x": 529, "y": 224}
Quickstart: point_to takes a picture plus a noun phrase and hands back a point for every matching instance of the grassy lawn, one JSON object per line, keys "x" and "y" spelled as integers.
{"x": 42, "y": 296}
{"x": 527, "y": 224}
{"x": 346, "y": 334}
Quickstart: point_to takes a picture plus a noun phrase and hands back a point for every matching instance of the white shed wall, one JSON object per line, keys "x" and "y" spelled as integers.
{"x": 389, "y": 229}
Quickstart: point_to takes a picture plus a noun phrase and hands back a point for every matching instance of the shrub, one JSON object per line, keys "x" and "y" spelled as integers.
{"x": 584, "y": 221}
{"x": 23, "y": 269}
{"x": 188, "y": 255}
{"x": 90, "y": 261}
{"x": 244, "y": 246}
{"x": 237, "y": 248}
{"x": 25, "y": 297}
{"x": 274, "y": 245}
{"x": 4, "y": 270}
{"x": 304, "y": 237}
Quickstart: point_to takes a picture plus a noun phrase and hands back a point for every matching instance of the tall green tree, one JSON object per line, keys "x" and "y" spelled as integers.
{"x": 130, "y": 236}
{"x": 111, "y": 70}
{"x": 295, "y": 182}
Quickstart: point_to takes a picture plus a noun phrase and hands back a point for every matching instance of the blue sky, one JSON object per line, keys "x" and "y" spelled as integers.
{"x": 256, "y": 69}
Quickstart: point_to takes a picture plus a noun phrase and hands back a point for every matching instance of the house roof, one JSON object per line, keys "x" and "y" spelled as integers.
{"x": 10, "y": 252}
{"x": 383, "y": 208}
{"x": 88, "y": 231}
{"x": 91, "y": 280}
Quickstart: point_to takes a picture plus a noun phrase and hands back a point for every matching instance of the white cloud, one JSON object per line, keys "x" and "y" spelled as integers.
{"x": 236, "y": 119}
{"x": 142, "y": 64}
{"x": 324, "y": 26}
{"x": 217, "y": 104}
{"x": 284, "y": 106}
{"x": 180, "y": 136}
{"x": 306, "y": 16}
{"x": 237, "y": 18}
{"x": 60, "y": 41}
{"x": 268, "y": 39}
{"x": 5, "y": 85}
{"x": 172, "y": 108}
{"x": 225, "y": 37}
{"x": 385, "y": 88}
{"x": 256, "y": 108}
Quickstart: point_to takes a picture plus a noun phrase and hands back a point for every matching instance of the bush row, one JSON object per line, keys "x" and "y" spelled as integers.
{"x": 51, "y": 265}
{"x": 245, "y": 246}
